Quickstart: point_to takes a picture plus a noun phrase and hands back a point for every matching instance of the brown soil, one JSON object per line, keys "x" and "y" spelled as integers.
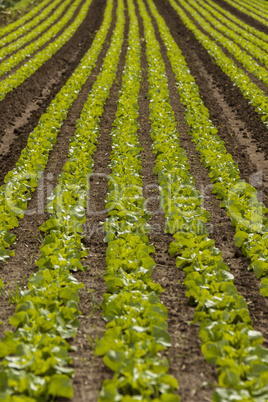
{"x": 239, "y": 126}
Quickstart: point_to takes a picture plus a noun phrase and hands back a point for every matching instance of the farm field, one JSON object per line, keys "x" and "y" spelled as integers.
{"x": 134, "y": 201}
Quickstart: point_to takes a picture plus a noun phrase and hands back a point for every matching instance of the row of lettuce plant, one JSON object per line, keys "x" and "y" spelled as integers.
{"x": 239, "y": 198}
{"x": 256, "y": 8}
{"x": 35, "y": 356}
{"x": 228, "y": 339}
{"x": 246, "y": 11}
{"x": 260, "y": 3}
{"x": 239, "y": 78}
{"x": 136, "y": 331}
{"x": 22, "y": 21}
{"x": 16, "y": 58}
{"x": 239, "y": 22}
{"x": 32, "y": 24}
{"x": 23, "y": 179}
{"x": 242, "y": 56}
{"x": 17, "y": 78}
{"x": 245, "y": 31}
{"x": 12, "y": 47}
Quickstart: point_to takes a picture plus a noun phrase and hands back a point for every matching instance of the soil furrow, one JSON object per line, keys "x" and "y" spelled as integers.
{"x": 244, "y": 17}
{"x": 22, "y": 265}
{"x": 40, "y": 88}
{"x": 221, "y": 229}
{"x": 90, "y": 371}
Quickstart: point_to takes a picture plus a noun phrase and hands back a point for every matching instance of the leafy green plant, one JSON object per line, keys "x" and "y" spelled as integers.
{"x": 251, "y": 11}
{"x": 241, "y": 55}
{"x": 246, "y": 31}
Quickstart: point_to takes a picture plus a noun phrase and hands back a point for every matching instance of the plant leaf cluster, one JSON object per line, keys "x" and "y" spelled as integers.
{"x": 136, "y": 331}
{"x": 228, "y": 339}
{"x": 18, "y": 40}
{"x": 250, "y": 90}
{"x": 251, "y": 11}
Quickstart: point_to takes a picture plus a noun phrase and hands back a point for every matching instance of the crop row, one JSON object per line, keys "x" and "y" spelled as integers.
{"x": 33, "y": 33}
{"x": 136, "y": 331}
{"x": 246, "y": 11}
{"x": 15, "y": 79}
{"x": 261, "y": 3}
{"x": 228, "y": 339}
{"x": 246, "y": 31}
{"x": 21, "y": 22}
{"x": 242, "y": 56}
{"x": 43, "y": 15}
{"x": 256, "y": 8}
{"x": 250, "y": 91}
{"x": 36, "y": 354}
{"x": 239, "y": 22}
{"x": 23, "y": 179}
{"x": 239, "y": 197}
{"x": 24, "y": 53}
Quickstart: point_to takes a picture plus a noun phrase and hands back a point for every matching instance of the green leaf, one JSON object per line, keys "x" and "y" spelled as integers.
{"x": 240, "y": 238}
{"x": 259, "y": 267}
{"x": 60, "y": 386}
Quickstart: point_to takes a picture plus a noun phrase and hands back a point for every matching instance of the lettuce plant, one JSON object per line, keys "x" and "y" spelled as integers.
{"x": 239, "y": 197}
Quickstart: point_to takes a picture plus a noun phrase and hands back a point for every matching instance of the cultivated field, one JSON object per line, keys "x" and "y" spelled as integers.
{"x": 134, "y": 201}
